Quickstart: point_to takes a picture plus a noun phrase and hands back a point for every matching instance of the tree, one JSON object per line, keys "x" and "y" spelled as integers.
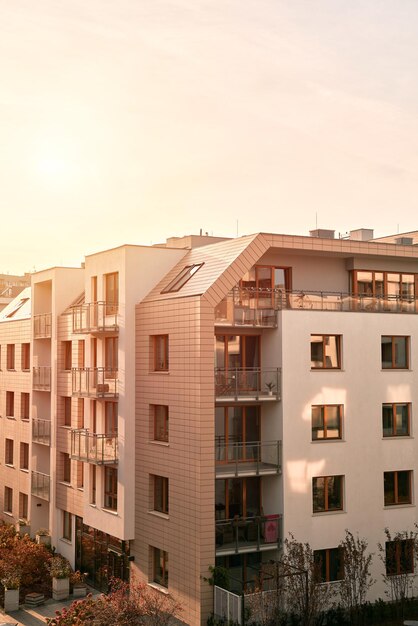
{"x": 397, "y": 555}
{"x": 357, "y": 578}
{"x": 134, "y": 604}
{"x": 304, "y": 596}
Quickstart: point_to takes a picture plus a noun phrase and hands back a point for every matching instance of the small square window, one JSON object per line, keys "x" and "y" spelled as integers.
{"x": 395, "y": 352}
{"x": 398, "y": 487}
{"x": 329, "y": 565}
{"x": 325, "y": 351}
{"x": 326, "y": 421}
{"x": 327, "y": 492}
{"x": 396, "y": 419}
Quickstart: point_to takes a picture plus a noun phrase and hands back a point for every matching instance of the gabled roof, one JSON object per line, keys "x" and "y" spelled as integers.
{"x": 224, "y": 264}
{"x": 19, "y": 308}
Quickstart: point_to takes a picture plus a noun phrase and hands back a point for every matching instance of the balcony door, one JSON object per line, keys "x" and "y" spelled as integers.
{"x": 238, "y": 359}
{"x": 238, "y": 497}
{"x": 261, "y": 282}
{"x": 237, "y": 431}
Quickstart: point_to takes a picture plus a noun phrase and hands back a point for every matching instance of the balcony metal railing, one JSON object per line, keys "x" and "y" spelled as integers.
{"x": 247, "y": 459}
{"x": 247, "y": 534}
{"x": 247, "y": 383}
{"x": 94, "y": 382}
{"x": 95, "y": 317}
{"x": 94, "y": 448}
{"x": 40, "y": 486}
{"x": 42, "y": 325}
{"x": 42, "y": 378}
{"x": 41, "y": 431}
{"x": 246, "y": 307}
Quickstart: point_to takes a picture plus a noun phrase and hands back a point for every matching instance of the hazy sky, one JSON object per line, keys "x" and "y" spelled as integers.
{"x": 128, "y": 121}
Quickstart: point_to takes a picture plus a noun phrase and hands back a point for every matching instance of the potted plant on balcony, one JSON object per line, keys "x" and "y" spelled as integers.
{"x": 270, "y": 387}
{"x": 10, "y": 577}
{"x": 60, "y": 572}
{"x": 43, "y": 536}
{"x": 78, "y": 583}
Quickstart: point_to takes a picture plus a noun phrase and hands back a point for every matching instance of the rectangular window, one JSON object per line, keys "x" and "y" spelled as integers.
{"x": 329, "y": 565}
{"x": 93, "y": 480}
{"x": 160, "y": 494}
{"x": 111, "y": 418}
{"x": 111, "y": 285}
{"x": 160, "y": 422}
{"x": 395, "y": 352}
{"x": 326, "y": 421}
{"x": 10, "y": 403}
{"x": 24, "y": 456}
{"x": 24, "y": 406}
{"x": 398, "y": 487}
{"x": 80, "y": 409}
{"x": 25, "y": 357}
{"x": 80, "y": 475}
{"x": 8, "y": 500}
{"x": 23, "y": 506}
{"x": 327, "y": 493}
{"x": 111, "y": 356}
{"x": 8, "y": 451}
{"x": 111, "y": 489}
{"x": 160, "y": 349}
{"x": 325, "y": 351}
{"x": 67, "y": 527}
{"x": 399, "y": 557}
{"x": 81, "y": 349}
{"x": 396, "y": 419}
{"x": 67, "y": 411}
{"x": 10, "y": 356}
{"x": 67, "y": 355}
{"x": 66, "y": 467}
{"x": 182, "y": 278}
{"x": 160, "y": 567}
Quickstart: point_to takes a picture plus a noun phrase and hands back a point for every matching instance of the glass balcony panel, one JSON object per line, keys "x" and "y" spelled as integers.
{"x": 244, "y": 534}
{"x": 95, "y": 317}
{"x": 99, "y": 449}
{"x": 40, "y": 485}
{"x": 252, "y": 458}
{"x": 247, "y": 382}
{"x": 95, "y": 382}
{"x": 42, "y": 326}
{"x": 41, "y": 431}
{"x": 42, "y": 378}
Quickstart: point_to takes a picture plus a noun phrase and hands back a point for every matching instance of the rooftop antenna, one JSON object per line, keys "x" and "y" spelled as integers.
{"x": 237, "y": 228}
{"x": 398, "y": 229}
{"x": 316, "y": 220}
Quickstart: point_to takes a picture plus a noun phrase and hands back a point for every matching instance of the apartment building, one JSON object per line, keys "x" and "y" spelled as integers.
{"x": 275, "y": 394}
{"x": 170, "y": 408}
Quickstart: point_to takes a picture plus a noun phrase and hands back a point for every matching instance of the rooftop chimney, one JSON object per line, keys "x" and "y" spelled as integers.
{"x": 361, "y": 234}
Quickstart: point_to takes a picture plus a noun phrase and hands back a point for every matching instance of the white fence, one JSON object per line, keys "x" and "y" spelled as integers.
{"x": 227, "y": 605}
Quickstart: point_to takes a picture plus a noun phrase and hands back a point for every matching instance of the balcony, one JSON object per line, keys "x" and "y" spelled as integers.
{"x": 95, "y": 318}
{"x": 41, "y": 431}
{"x": 248, "y": 308}
{"x": 40, "y": 485}
{"x": 94, "y": 382}
{"x": 247, "y": 384}
{"x": 339, "y": 301}
{"x": 248, "y": 534}
{"x": 42, "y": 325}
{"x": 253, "y": 458}
{"x": 93, "y": 448}
{"x": 42, "y": 378}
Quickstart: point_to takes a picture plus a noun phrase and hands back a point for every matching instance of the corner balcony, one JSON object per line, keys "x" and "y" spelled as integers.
{"x": 40, "y": 485}
{"x": 94, "y": 448}
{"x": 248, "y": 534}
{"x": 94, "y": 382}
{"x": 42, "y": 378}
{"x": 42, "y": 326}
{"x": 41, "y": 431}
{"x": 247, "y": 384}
{"x": 95, "y": 318}
{"x": 253, "y": 458}
{"x": 248, "y": 308}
